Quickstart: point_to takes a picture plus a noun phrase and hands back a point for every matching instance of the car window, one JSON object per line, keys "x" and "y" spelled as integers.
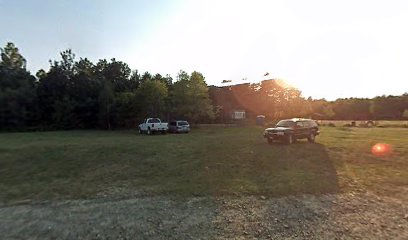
{"x": 285, "y": 123}
{"x": 312, "y": 124}
{"x": 154, "y": 120}
{"x": 183, "y": 123}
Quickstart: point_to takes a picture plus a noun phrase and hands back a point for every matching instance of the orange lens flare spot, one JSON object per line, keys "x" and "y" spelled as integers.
{"x": 381, "y": 149}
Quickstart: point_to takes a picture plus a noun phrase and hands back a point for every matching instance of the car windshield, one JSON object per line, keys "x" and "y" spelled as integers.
{"x": 183, "y": 123}
{"x": 154, "y": 120}
{"x": 285, "y": 123}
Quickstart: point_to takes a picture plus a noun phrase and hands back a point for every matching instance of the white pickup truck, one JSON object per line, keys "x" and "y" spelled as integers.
{"x": 152, "y": 125}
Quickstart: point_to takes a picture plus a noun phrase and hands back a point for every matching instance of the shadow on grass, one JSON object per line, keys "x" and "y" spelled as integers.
{"x": 272, "y": 170}
{"x": 67, "y": 165}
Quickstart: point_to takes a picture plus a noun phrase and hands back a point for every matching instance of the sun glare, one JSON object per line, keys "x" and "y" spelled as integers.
{"x": 381, "y": 149}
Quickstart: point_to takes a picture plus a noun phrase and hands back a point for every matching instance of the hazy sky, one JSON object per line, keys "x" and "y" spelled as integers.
{"x": 325, "y": 48}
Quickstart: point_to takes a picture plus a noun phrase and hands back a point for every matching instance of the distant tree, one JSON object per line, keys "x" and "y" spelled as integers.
{"x": 134, "y": 80}
{"x": 41, "y": 74}
{"x": 119, "y": 85}
{"x": 200, "y": 99}
{"x": 320, "y": 109}
{"x": 85, "y": 91}
{"x": 157, "y": 77}
{"x": 11, "y": 57}
{"x": 152, "y": 96}
{"x": 388, "y": 107}
{"x": 68, "y": 93}
{"x": 146, "y": 77}
{"x": 352, "y": 109}
{"x": 108, "y": 94}
{"x": 276, "y": 100}
{"x": 190, "y": 98}
{"x": 127, "y": 110}
{"x": 117, "y": 72}
{"x": 66, "y": 64}
{"x": 168, "y": 80}
{"x": 328, "y": 112}
{"x": 18, "y": 100}
{"x": 84, "y": 67}
{"x": 106, "y": 101}
{"x": 179, "y": 95}
{"x": 52, "y": 96}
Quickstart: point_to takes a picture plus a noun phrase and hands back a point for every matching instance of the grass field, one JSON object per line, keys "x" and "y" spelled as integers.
{"x": 212, "y": 161}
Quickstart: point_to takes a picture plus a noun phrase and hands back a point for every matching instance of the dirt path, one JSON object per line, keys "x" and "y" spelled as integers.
{"x": 338, "y": 216}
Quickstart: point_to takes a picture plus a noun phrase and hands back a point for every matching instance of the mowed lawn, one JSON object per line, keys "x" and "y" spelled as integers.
{"x": 212, "y": 161}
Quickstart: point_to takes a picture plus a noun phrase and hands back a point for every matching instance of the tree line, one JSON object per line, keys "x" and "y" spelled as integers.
{"x": 274, "y": 99}
{"x": 79, "y": 94}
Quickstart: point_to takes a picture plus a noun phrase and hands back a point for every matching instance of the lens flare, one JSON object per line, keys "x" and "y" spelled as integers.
{"x": 381, "y": 149}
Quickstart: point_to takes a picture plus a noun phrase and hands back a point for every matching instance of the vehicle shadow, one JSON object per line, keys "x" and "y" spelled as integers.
{"x": 274, "y": 190}
{"x": 273, "y": 170}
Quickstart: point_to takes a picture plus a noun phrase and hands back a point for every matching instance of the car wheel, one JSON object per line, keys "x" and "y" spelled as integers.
{"x": 270, "y": 140}
{"x": 311, "y": 138}
{"x": 289, "y": 139}
{"x": 149, "y": 132}
{"x": 140, "y": 131}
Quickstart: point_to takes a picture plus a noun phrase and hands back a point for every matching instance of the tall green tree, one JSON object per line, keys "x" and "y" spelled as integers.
{"x": 59, "y": 93}
{"x": 202, "y": 109}
{"x": 152, "y": 96}
{"x": 190, "y": 98}
{"x": 127, "y": 110}
{"x": 11, "y": 57}
{"x": 18, "y": 102}
{"x": 85, "y": 91}
{"x": 117, "y": 72}
{"x": 146, "y": 77}
{"x": 389, "y": 107}
{"x": 106, "y": 102}
{"x": 134, "y": 80}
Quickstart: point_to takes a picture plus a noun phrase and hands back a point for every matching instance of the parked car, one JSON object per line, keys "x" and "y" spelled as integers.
{"x": 153, "y": 125}
{"x": 179, "y": 127}
{"x": 289, "y": 130}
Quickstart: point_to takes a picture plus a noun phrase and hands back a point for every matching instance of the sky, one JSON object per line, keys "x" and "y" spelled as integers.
{"x": 326, "y": 49}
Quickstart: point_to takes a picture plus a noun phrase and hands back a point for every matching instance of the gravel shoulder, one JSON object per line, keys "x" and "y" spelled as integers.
{"x": 353, "y": 215}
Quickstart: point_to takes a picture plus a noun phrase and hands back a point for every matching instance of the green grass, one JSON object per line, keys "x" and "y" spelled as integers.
{"x": 211, "y": 161}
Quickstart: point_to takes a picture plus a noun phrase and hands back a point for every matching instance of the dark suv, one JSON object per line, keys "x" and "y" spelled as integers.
{"x": 179, "y": 127}
{"x": 291, "y": 129}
